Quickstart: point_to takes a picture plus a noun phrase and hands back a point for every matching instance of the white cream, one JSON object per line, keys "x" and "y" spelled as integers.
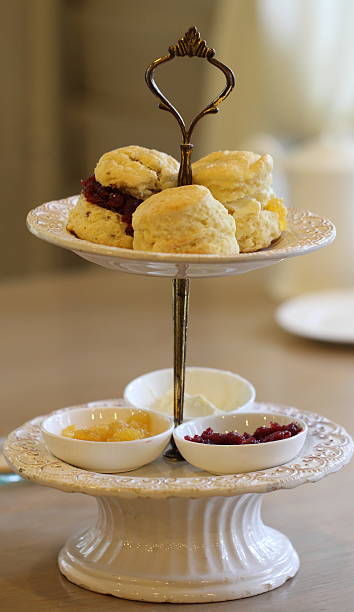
{"x": 194, "y": 405}
{"x": 244, "y": 206}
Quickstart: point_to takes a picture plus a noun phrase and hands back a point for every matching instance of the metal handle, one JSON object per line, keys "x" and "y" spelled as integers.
{"x": 190, "y": 45}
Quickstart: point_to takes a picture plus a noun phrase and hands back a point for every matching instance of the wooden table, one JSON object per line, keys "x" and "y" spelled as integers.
{"x": 82, "y": 336}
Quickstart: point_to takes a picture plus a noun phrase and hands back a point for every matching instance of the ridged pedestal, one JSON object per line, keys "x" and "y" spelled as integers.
{"x": 179, "y": 550}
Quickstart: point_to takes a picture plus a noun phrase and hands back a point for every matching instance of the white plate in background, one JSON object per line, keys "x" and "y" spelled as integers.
{"x": 325, "y": 315}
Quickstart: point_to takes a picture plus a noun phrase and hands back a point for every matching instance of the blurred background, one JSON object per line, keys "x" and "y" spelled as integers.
{"x": 73, "y": 83}
{"x": 72, "y": 77}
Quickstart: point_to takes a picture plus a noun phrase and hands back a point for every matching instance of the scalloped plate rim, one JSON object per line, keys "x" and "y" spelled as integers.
{"x": 70, "y": 242}
{"x": 195, "y": 485}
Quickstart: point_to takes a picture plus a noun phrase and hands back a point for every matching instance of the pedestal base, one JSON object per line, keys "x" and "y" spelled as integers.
{"x": 179, "y": 550}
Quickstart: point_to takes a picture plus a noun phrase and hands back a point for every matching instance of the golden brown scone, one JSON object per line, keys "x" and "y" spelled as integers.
{"x": 138, "y": 171}
{"x": 256, "y": 228}
{"x": 232, "y": 175}
{"x": 96, "y": 224}
{"x": 184, "y": 220}
{"x": 242, "y": 181}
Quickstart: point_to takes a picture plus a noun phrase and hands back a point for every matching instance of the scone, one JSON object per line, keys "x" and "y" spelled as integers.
{"x": 184, "y": 219}
{"x": 232, "y": 175}
{"x": 96, "y": 224}
{"x": 256, "y": 228}
{"x": 138, "y": 171}
{"x": 123, "y": 179}
{"x": 242, "y": 181}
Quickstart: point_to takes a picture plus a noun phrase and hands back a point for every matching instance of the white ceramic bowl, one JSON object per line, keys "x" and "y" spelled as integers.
{"x": 234, "y": 459}
{"x": 226, "y": 391}
{"x": 106, "y": 457}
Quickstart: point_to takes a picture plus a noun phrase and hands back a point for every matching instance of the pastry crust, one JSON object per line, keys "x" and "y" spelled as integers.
{"x": 96, "y": 224}
{"x": 184, "y": 219}
{"x": 138, "y": 171}
{"x": 232, "y": 175}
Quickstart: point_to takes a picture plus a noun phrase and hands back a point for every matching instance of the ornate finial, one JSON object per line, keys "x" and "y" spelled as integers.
{"x": 192, "y": 45}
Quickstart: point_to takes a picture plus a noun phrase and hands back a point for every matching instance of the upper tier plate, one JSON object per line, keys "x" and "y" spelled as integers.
{"x": 306, "y": 232}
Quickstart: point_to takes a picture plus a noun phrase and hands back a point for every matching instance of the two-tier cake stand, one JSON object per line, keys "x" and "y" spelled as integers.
{"x": 168, "y": 532}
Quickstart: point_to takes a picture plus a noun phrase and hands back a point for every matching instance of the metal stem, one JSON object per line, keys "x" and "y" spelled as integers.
{"x": 190, "y": 45}
{"x": 185, "y": 170}
{"x": 180, "y": 318}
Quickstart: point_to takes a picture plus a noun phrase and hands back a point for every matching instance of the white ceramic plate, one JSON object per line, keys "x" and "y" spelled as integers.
{"x": 327, "y": 448}
{"x": 326, "y": 315}
{"x": 306, "y": 232}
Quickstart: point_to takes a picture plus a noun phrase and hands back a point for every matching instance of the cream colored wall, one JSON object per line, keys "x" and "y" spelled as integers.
{"x": 73, "y": 77}
{"x": 30, "y": 110}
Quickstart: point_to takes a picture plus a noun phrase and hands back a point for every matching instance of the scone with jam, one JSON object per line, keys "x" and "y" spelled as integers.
{"x": 123, "y": 179}
{"x": 242, "y": 182}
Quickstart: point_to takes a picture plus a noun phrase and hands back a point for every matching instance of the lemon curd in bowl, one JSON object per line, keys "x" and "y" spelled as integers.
{"x": 134, "y": 426}
{"x": 98, "y": 453}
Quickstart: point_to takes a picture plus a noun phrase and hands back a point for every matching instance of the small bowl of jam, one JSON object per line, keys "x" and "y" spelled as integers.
{"x": 240, "y": 442}
{"x": 107, "y": 439}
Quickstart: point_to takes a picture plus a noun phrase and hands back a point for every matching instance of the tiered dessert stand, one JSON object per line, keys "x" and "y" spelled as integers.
{"x": 168, "y": 532}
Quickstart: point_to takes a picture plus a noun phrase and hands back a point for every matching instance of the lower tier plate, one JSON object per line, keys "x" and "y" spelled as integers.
{"x": 328, "y": 447}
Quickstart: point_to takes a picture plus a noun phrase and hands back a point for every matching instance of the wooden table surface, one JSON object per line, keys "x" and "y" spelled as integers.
{"x": 82, "y": 336}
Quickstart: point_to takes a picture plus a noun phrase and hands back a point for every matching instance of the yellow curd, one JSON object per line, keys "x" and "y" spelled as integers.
{"x": 136, "y": 427}
{"x": 276, "y": 205}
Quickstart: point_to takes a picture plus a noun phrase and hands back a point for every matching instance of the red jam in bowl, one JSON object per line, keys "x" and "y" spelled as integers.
{"x": 262, "y": 434}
